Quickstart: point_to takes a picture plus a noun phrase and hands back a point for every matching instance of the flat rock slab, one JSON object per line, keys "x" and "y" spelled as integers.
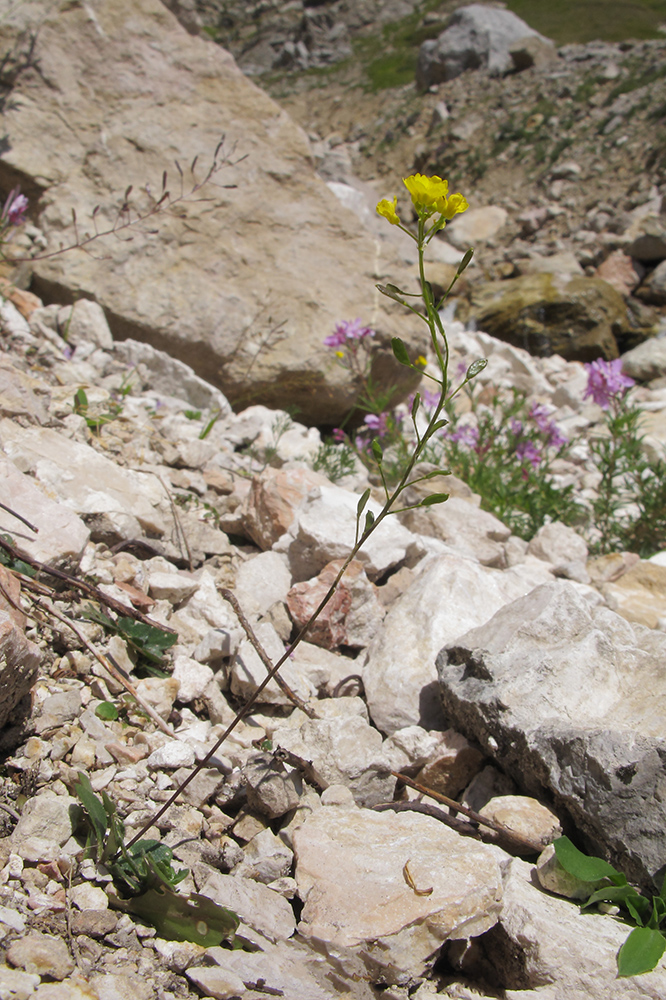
{"x": 350, "y": 869}
{"x": 570, "y": 698}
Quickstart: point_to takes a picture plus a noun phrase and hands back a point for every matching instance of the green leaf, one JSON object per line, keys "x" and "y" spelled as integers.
{"x": 400, "y": 352}
{"x": 181, "y": 918}
{"x": 583, "y": 867}
{"x": 640, "y": 952}
{"x": 428, "y": 295}
{"x": 377, "y": 451}
{"x": 148, "y": 640}
{"x": 623, "y": 894}
{"x": 369, "y": 521}
{"x": 466, "y": 260}
{"x": 360, "y": 507}
{"x": 192, "y": 414}
{"x": 80, "y": 402}
{"x": 93, "y": 807}
{"x": 476, "y": 368}
{"x": 433, "y": 499}
{"x": 106, "y": 710}
{"x": 415, "y": 404}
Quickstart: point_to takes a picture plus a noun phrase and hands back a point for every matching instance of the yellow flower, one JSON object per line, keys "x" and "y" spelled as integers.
{"x": 339, "y": 354}
{"x": 421, "y": 361}
{"x": 456, "y": 203}
{"x": 430, "y": 197}
{"x": 386, "y": 208}
{"x": 427, "y": 193}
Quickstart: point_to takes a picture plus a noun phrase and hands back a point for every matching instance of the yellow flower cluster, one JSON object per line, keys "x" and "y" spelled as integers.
{"x": 429, "y": 196}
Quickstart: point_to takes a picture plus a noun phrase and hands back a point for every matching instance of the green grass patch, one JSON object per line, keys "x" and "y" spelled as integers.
{"x": 585, "y": 20}
{"x": 636, "y": 79}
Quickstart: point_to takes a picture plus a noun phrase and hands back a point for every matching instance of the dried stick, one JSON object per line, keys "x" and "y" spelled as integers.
{"x": 81, "y": 585}
{"x": 19, "y": 518}
{"x": 458, "y": 825}
{"x": 263, "y": 655}
{"x": 106, "y": 662}
{"x": 524, "y": 842}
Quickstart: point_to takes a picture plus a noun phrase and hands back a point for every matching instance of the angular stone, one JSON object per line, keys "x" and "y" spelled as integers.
{"x": 343, "y": 751}
{"x": 558, "y": 544}
{"x": 261, "y": 582}
{"x": 568, "y": 698}
{"x": 353, "y": 615}
{"x": 639, "y": 595}
{"x": 577, "y": 319}
{"x": 463, "y": 526}
{"x": 272, "y": 790}
{"x": 621, "y": 271}
{"x": 324, "y": 529}
{"x": 259, "y": 907}
{"x": 115, "y": 503}
{"x": 271, "y": 504}
{"x": 22, "y": 396}
{"x": 476, "y": 37}
{"x": 248, "y": 671}
{"x": 49, "y": 816}
{"x": 384, "y": 926}
{"x": 41, "y": 954}
{"x": 171, "y": 377}
{"x": 62, "y": 535}
{"x": 285, "y": 966}
{"x": 544, "y": 947}
{"x": 449, "y": 595}
{"x": 525, "y": 816}
{"x": 85, "y": 322}
{"x": 19, "y": 662}
{"x": 476, "y": 226}
{"x": 647, "y": 361}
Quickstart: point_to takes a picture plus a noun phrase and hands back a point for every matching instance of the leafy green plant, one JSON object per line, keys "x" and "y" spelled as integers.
{"x": 96, "y": 421}
{"x": 647, "y": 942}
{"x": 630, "y": 508}
{"x": 10, "y": 561}
{"x": 143, "y": 873}
{"x": 147, "y": 641}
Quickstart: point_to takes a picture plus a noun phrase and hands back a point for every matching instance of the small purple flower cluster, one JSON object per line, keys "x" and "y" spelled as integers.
{"x": 346, "y": 331}
{"x": 606, "y": 381}
{"x": 540, "y": 414}
{"x": 465, "y": 434}
{"x": 14, "y": 209}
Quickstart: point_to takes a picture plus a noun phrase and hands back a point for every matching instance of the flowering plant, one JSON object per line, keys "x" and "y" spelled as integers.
{"x": 630, "y": 506}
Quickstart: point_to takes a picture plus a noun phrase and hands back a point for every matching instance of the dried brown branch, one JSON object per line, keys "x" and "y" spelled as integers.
{"x": 263, "y": 655}
{"x": 523, "y": 842}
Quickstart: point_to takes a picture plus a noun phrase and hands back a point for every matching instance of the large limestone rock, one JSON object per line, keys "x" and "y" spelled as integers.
{"x": 359, "y": 907}
{"x": 568, "y": 698}
{"x": 243, "y": 281}
{"x": 578, "y": 319}
{"x": 477, "y": 37}
{"x": 451, "y": 594}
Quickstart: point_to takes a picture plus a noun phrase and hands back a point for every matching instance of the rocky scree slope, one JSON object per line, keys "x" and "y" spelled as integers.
{"x": 411, "y": 669}
{"x": 560, "y": 161}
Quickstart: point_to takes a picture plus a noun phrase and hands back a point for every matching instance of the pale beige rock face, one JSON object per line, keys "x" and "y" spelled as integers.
{"x": 62, "y": 535}
{"x": 358, "y": 905}
{"x": 243, "y": 282}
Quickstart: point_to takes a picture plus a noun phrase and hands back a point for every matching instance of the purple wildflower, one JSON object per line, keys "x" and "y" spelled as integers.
{"x": 338, "y": 435}
{"x": 466, "y": 435}
{"x": 527, "y": 451}
{"x": 605, "y": 380}
{"x": 516, "y": 426}
{"x": 461, "y": 369}
{"x": 15, "y": 208}
{"x": 556, "y": 438}
{"x": 540, "y": 414}
{"x": 377, "y": 422}
{"x": 348, "y": 329}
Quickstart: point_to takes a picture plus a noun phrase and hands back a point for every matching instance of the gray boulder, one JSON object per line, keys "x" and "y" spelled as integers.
{"x": 568, "y": 699}
{"x": 477, "y": 37}
{"x": 243, "y": 280}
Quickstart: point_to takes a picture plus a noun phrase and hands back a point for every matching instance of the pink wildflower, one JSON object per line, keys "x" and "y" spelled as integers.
{"x": 605, "y": 380}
